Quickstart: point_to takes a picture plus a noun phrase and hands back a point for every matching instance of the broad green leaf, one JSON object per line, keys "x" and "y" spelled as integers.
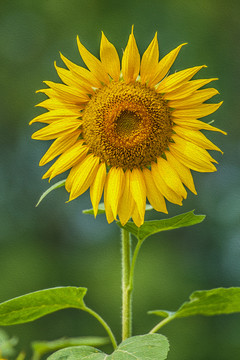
{"x": 32, "y": 306}
{"x": 41, "y": 348}
{"x": 207, "y": 302}
{"x": 53, "y": 187}
{"x": 156, "y": 226}
{"x": 142, "y": 347}
{"x": 101, "y": 209}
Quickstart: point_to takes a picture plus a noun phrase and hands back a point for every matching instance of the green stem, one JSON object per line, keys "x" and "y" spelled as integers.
{"x": 161, "y": 323}
{"x": 134, "y": 258}
{"x": 104, "y": 324}
{"x": 126, "y": 289}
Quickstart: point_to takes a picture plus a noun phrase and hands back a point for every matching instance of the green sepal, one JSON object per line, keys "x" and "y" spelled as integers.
{"x": 207, "y": 302}
{"x": 34, "y": 305}
{"x": 101, "y": 209}
{"x": 53, "y": 187}
{"x": 155, "y": 226}
{"x": 142, "y": 347}
{"x": 41, "y": 348}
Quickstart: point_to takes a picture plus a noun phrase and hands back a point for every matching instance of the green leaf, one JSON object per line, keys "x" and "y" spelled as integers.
{"x": 78, "y": 353}
{"x": 142, "y": 347}
{"x": 156, "y": 226}
{"x": 32, "y": 306}
{"x": 207, "y": 302}
{"x": 41, "y": 348}
{"x": 101, "y": 209}
{"x": 53, "y": 187}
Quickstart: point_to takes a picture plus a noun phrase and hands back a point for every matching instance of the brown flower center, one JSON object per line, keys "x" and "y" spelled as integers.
{"x": 127, "y": 125}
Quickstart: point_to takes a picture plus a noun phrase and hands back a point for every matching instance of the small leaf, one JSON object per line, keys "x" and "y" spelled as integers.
{"x": 142, "y": 347}
{"x": 101, "y": 209}
{"x": 208, "y": 302}
{"x": 78, "y": 352}
{"x": 41, "y": 348}
{"x": 156, "y": 226}
{"x": 53, "y": 187}
{"x": 32, "y": 306}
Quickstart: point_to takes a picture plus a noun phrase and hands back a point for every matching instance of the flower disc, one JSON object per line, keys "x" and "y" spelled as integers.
{"x": 127, "y": 125}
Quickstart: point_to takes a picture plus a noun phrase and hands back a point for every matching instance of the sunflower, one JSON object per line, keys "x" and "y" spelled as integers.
{"x": 129, "y": 130}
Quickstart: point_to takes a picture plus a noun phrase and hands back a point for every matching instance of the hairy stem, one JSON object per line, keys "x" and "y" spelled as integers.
{"x": 134, "y": 258}
{"x": 126, "y": 289}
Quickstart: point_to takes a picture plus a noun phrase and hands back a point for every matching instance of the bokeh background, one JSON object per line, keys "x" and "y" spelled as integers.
{"x": 55, "y": 244}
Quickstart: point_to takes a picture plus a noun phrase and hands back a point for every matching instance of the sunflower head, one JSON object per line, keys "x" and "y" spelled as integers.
{"x": 128, "y": 130}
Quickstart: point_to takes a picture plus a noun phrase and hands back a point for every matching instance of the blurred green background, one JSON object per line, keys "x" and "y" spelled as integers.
{"x": 55, "y": 244}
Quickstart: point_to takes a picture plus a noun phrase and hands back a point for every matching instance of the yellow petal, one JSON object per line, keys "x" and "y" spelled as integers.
{"x": 56, "y": 129}
{"x": 183, "y": 172}
{"x": 164, "y": 66}
{"x": 187, "y": 89}
{"x": 149, "y": 60}
{"x": 138, "y": 220}
{"x": 84, "y": 176}
{"x": 114, "y": 188}
{"x": 56, "y": 104}
{"x": 196, "y": 137}
{"x": 48, "y": 172}
{"x": 171, "y": 177}
{"x": 154, "y": 196}
{"x": 72, "y": 80}
{"x": 69, "y": 158}
{"x": 126, "y": 201}
{"x": 65, "y": 100}
{"x": 60, "y": 145}
{"x": 130, "y": 60}
{"x": 71, "y": 176}
{"x": 108, "y": 209}
{"x": 54, "y": 115}
{"x": 164, "y": 189}
{"x": 94, "y": 65}
{"x": 196, "y": 125}
{"x": 198, "y": 97}
{"x": 191, "y": 155}
{"x": 88, "y": 80}
{"x": 109, "y": 58}
{"x": 175, "y": 80}
{"x": 97, "y": 186}
{"x": 138, "y": 190}
{"x": 69, "y": 93}
{"x": 198, "y": 111}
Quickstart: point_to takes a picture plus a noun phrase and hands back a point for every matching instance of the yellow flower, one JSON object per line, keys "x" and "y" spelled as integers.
{"x": 129, "y": 130}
